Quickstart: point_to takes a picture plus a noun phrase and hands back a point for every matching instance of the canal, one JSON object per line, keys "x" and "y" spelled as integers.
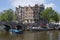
{"x": 27, "y": 35}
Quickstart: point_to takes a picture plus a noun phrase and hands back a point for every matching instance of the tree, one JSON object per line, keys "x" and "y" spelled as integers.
{"x": 7, "y": 15}
{"x": 3, "y": 17}
{"x": 14, "y": 16}
{"x": 55, "y": 17}
{"x": 50, "y": 14}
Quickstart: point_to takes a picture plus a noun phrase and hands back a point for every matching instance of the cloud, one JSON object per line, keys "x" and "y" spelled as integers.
{"x": 50, "y": 5}
{"x": 15, "y": 3}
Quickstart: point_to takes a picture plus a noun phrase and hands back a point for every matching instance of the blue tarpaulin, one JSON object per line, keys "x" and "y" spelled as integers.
{"x": 15, "y": 30}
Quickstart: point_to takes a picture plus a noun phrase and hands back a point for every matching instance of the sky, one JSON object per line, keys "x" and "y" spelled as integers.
{"x": 7, "y": 4}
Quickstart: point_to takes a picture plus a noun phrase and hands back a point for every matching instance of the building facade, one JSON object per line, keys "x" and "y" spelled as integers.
{"x": 29, "y": 14}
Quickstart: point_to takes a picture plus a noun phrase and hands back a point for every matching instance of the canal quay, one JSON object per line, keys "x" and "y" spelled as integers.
{"x": 12, "y": 33}
{"x": 28, "y": 35}
{"x": 33, "y": 33}
{"x": 29, "y": 20}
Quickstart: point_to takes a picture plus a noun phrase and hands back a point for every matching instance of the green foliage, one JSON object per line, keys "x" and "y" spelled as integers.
{"x": 59, "y": 16}
{"x": 50, "y": 14}
{"x": 55, "y": 17}
{"x": 10, "y": 15}
{"x": 3, "y": 17}
{"x": 7, "y": 15}
{"x": 14, "y": 16}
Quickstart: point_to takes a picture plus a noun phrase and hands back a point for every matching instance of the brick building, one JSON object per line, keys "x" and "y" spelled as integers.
{"x": 29, "y": 14}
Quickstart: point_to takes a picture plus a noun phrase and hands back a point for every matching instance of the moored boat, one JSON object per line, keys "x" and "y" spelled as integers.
{"x": 37, "y": 29}
{"x": 15, "y": 31}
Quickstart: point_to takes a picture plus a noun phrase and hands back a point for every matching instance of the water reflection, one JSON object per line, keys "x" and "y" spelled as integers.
{"x": 42, "y": 35}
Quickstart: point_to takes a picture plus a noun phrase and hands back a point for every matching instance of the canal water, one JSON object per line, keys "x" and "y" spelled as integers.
{"x": 27, "y": 35}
